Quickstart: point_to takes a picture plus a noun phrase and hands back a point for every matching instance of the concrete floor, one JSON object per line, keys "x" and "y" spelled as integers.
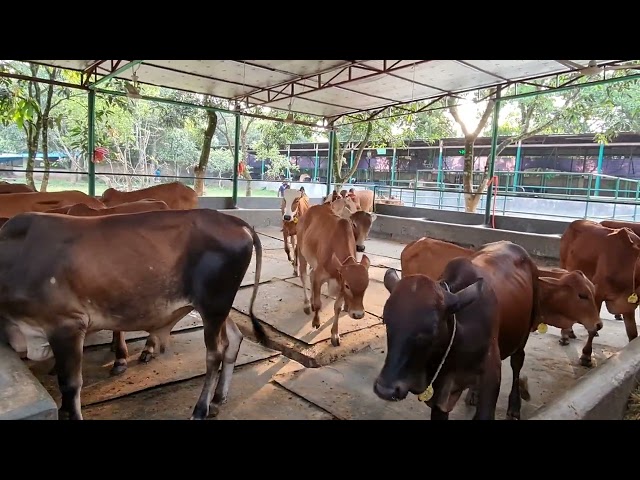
{"x": 279, "y": 382}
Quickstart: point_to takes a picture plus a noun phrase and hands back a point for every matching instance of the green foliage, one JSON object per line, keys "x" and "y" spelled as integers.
{"x": 221, "y": 161}
{"x": 278, "y": 163}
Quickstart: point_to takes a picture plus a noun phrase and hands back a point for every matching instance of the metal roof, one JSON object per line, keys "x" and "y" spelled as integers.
{"x": 325, "y": 88}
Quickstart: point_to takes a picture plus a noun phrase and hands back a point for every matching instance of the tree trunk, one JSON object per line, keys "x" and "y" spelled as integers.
{"x": 33, "y": 139}
{"x": 45, "y": 137}
{"x": 338, "y": 177}
{"x": 201, "y": 168}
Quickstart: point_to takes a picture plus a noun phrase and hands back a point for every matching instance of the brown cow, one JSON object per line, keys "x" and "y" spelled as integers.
{"x": 326, "y": 242}
{"x": 448, "y": 335}
{"x": 175, "y": 194}
{"x": 15, "y": 203}
{"x": 294, "y": 204}
{"x": 609, "y": 258}
{"x": 6, "y": 187}
{"x": 118, "y": 343}
{"x": 364, "y": 199}
{"x": 565, "y": 297}
{"x": 633, "y": 226}
{"x": 61, "y": 279}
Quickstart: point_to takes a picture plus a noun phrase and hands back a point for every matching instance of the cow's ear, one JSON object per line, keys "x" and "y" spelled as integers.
{"x": 391, "y": 279}
{"x": 335, "y": 262}
{"x": 373, "y": 217}
{"x": 365, "y": 262}
{"x": 455, "y": 302}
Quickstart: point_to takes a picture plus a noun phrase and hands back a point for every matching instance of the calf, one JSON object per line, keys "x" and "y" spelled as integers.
{"x": 175, "y": 194}
{"x": 609, "y": 258}
{"x": 15, "y": 203}
{"x": 328, "y": 244}
{"x": 61, "y": 279}
{"x": 364, "y": 199}
{"x": 294, "y": 205}
{"x": 448, "y": 335}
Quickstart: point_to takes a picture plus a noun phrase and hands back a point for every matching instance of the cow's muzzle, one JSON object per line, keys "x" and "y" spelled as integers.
{"x": 360, "y": 248}
{"x": 287, "y": 218}
{"x": 390, "y": 394}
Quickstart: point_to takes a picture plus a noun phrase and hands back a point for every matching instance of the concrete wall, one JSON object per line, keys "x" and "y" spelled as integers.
{"x": 517, "y": 224}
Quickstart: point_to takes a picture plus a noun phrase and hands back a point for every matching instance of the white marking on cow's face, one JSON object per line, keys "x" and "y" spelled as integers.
{"x": 289, "y": 196}
{"x": 52, "y": 280}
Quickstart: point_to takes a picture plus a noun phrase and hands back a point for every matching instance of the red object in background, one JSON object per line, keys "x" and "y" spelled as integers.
{"x": 240, "y": 168}
{"x": 99, "y": 154}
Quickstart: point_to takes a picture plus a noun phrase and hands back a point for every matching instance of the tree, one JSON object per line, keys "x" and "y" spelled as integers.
{"x": 201, "y": 169}
{"x": 221, "y": 160}
{"x": 278, "y": 163}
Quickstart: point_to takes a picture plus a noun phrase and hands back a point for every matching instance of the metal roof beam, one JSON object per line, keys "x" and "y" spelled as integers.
{"x": 115, "y": 72}
{"x": 321, "y": 83}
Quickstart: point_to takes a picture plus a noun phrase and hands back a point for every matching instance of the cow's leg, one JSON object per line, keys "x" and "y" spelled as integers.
{"x": 471, "y": 398}
{"x": 66, "y": 344}
{"x": 122, "y": 352}
{"x": 285, "y": 236}
{"x": 294, "y": 262}
{"x": 515, "y": 402}
{"x": 489, "y": 386}
{"x": 565, "y": 335}
{"x": 630, "y": 325}
{"x": 216, "y": 348}
{"x": 158, "y": 339}
{"x": 234, "y": 337}
{"x": 316, "y": 299}
{"x": 302, "y": 272}
{"x": 437, "y": 414}
{"x": 617, "y": 316}
{"x": 337, "y": 307}
{"x": 587, "y": 350}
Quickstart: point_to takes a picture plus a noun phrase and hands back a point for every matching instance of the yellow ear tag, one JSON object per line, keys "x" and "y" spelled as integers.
{"x": 295, "y": 220}
{"x": 633, "y": 298}
{"x": 542, "y": 328}
{"x": 426, "y": 395}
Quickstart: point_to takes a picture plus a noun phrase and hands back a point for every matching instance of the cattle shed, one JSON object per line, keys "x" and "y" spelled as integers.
{"x": 356, "y": 90}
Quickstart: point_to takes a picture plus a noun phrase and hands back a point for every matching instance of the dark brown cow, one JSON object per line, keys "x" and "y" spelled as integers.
{"x": 6, "y": 187}
{"x": 14, "y": 203}
{"x": 61, "y": 279}
{"x": 294, "y": 204}
{"x": 565, "y": 297}
{"x": 118, "y": 343}
{"x": 328, "y": 243}
{"x": 448, "y": 335}
{"x": 609, "y": 258}
{"x": 175, "y": 194}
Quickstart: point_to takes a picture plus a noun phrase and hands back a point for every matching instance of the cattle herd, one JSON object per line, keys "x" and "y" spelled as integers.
{"x": 72, "y": 264}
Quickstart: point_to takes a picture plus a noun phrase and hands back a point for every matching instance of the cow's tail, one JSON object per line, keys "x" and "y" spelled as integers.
{"x": 258, "y": 329}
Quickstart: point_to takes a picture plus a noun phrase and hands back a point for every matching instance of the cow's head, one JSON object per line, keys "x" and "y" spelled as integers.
{"x": 361, "y": 222}
{"x": 109, "y": 197}
{"x": 290, "y": 198}
{"x": 567, "y": 300}
{"x": 343, "y": 207}
{"x": 418, "y": 320}
{"x": 354, "y": 280}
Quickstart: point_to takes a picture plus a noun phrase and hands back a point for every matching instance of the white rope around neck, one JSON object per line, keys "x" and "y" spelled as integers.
{"x": 428, "y": 393}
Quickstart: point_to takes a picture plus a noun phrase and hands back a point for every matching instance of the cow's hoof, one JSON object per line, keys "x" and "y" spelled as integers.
{"x": 335, "y": 341}
{"x": 315, "y": 324}
{"x": 597, "y": 334}
{"x": 618, "y": 317}
{"x": 307, "y": 310}
{"x": 513, "y": 416}
{"x": 572, "y": 334}
{"x": 145, "y": 357}
{"x": 563, "y": 341}
{"x": 214, "y": 410}
{"x": 586, "y": 361}
{"x": 295, "y": 273}
{"x": 118, "y": 369}
{"x": 472, "y": 398}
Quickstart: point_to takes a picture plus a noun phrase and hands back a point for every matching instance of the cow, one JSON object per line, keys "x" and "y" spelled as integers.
{"x": 609, "y": 258}
{"x": 364, "y": 199}
{"x": 633, "y": 226}
{"x": 294, "y": 204}
{"x": 175, "y": 194}
{"x": 6, "y": 187}
{"x": 447, "y": 335}
{"x": 328, "y": 243}
{"x": 61, "y": 279}
{"x": 14, "y": 203}
{"x": 565, "y": 297}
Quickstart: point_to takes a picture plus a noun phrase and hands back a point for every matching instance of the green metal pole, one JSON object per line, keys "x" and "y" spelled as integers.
{"x": 492, "y": 159}
{"x": 315, "y": 167}
{"x": 92, "y": 143}
{"x": 440, "y": 175}
{"x": 517, "y": 166}
{"x": 116, "y": 72}
{"x": 599, "y": 169}
{"x": 236, "y": 161}
{"x": 262, "y": 171}
{"x": 288, "y": 161}
{"x": 332, "y": 136}
{"x": 393, "y": 167}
